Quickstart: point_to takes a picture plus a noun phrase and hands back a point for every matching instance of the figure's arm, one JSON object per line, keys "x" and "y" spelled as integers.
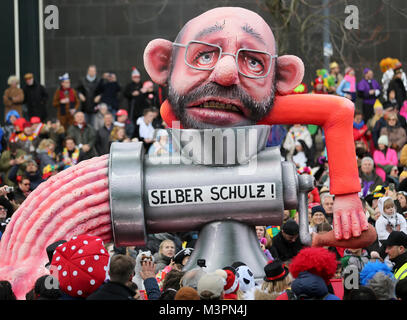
{"x": 335, "y": 116}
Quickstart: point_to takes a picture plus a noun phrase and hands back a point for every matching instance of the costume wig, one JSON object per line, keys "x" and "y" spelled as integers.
{"x": 371, "y": 268}
{"x": 318, "y": 261}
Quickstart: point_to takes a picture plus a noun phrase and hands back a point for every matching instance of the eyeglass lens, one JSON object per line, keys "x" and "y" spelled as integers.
{"x": 204, "y": 57}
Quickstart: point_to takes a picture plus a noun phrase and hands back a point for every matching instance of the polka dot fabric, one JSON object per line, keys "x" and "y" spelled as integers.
{"x": 80, "y": 265}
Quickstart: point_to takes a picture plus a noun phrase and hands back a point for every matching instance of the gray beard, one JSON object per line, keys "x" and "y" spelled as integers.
{"x": 258, "y": 110}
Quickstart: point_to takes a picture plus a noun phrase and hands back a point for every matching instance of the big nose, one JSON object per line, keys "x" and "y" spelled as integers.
{"x": 226, "y": 72}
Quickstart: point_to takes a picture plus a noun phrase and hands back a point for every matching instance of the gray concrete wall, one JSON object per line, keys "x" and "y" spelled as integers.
{"x": 113, "y": 34}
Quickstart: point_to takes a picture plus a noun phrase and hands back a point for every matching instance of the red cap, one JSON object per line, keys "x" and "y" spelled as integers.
{"x": 35, "y": 120}
{"x": 122, "y": 112}
{"x": 80, "y": 265}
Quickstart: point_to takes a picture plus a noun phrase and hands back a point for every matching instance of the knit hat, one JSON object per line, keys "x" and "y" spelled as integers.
{"x": 232, "y": 282}
{"x": 187, "y": 293}
{"x": 27, "y": 125}
{"x": 377, "y": 104}
{"x": 291, "y": 227}
{"x": 135, "y": 72}
{"x": 383, "y": 140}
{"x": 366, "y": 70}
{"x": 80, "y": 265}
{"x": 275, "y": 270}
{"x": 318, "y": 209}
{"x": 210, "y": 286}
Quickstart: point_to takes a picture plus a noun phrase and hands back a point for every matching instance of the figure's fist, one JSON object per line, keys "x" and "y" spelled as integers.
{"x": 349, "y": 217}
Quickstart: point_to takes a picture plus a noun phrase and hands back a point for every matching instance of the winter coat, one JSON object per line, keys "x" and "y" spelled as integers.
{"x": 89, "y": 90}
{"x": 384, "y": 219}
{"x": 63, "y": 111}
{"x": 350, "y": 259}
{"x": 110, "y": 91}
{"x": 310, "y": 286}
{"x": 86, "y": 135}
{"x": 363, "y": 88}
{"x": 35, "y": 97}
{"x": 284, "y": 250}
{"x": 135, "y": 104}
{"x": 17, "y": 104}
{"x": 397, "y": 86}
{"x": 396, "y": 134}
{"x": 381, "y": 123}
{"x": 45, "y": 159}
{"x": 5, "y": 166}
{"x": 35, "y": 178}
{"x": 152, "y": 289}
{"x": 387, "y": 158}
{"x": 400, "y": 265}
{"x": 161, "y": 261}
{"x": 360, "y": 134}
{"x": 102, "y": 140}
{"x": 112, "y": 291}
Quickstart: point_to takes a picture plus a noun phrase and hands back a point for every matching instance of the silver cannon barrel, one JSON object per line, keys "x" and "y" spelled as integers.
{"x": 213, "y": 175}
{"x": 180, "y": 193}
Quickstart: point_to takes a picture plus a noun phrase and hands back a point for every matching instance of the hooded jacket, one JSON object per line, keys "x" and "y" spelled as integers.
{"x": 310, "y": 286}
{"x": 384, "y": 219}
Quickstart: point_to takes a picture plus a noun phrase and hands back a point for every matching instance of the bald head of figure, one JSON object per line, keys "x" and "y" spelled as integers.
{"x": 222, "y": 70}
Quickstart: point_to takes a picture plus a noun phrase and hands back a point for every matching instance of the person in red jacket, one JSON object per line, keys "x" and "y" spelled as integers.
{"x": 360, "y": 129}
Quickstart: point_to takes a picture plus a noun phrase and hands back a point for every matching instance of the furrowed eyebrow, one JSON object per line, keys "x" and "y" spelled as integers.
{"x": 249, "y": 30}
{"x": 215, "y": 28}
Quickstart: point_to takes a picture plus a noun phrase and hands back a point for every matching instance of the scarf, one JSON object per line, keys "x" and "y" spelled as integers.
{"x": 90, "y": 79}
{"x": 70, "y": 160}
{"x": 358, "y": 126}
{"x": 63, "y": 93}
{"x": 22, "y": 137}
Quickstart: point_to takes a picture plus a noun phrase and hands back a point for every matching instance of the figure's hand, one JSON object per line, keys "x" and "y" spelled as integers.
{"x": 349, "y": 217}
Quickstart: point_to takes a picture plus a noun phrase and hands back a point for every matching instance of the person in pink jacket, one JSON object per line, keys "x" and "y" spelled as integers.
{"x": 384, "y": 156}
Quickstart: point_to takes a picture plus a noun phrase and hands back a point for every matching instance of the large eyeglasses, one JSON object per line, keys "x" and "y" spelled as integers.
{"x": 251, "y": 63}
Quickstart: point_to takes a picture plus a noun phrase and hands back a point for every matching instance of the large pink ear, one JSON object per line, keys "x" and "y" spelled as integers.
{"x": 157, "y": 57}
{"x": 290, "y": 72}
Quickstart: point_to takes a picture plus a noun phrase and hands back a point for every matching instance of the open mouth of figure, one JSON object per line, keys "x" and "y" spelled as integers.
{"x": 218, "y": 112}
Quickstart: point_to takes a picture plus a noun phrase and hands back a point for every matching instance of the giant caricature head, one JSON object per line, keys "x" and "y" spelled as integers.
{"x": 232, "y": 81}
